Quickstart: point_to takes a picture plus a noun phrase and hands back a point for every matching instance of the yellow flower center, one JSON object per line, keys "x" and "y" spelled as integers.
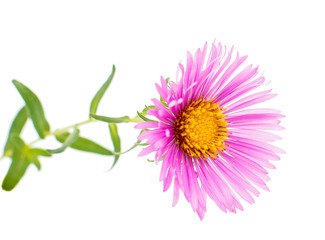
{"x": 200, "y": 129}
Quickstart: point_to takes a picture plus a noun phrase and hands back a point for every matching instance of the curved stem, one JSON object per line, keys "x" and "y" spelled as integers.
{"x": 59, "y": 131}
{"x": 134, "y": 146}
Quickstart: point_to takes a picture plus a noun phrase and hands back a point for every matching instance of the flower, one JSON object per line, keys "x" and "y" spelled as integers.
{"x": 209, "y": 143}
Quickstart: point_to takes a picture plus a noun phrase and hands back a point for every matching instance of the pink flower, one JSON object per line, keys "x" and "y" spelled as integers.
{"x": 208, "y": 142}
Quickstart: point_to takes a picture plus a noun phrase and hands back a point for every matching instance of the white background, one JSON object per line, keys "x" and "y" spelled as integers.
{"x": 64, "y": 51}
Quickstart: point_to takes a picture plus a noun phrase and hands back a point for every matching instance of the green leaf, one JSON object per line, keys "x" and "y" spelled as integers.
{"x": 16, "y": 128}
{"x": 67, "y": 142}
{"x": 84, "y": 144}
{"x": 16, "y": 171}
{"x": 40, "y": 152}
{"x": 32, "y": 157}
{"x": 116, "y": 141}
{"x": 111, "y": 120}
{"x": 163, "y": 102}
{"x": 35, "y": 109}
{"x": 22, "y": 157}
{"x": 34, "y": 153}
{"x": 144, "y": 118}
{"x": 17, "y": 142}
{"x": 167, "y": 82}
{"x": 19, "y": 121}
{"x": 95, "y": 102}
{"x": 147, "y": 108}
{"x": 18, "y": 165}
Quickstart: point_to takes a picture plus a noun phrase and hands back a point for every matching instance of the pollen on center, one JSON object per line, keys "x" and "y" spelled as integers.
{"x": 200, "y": 129}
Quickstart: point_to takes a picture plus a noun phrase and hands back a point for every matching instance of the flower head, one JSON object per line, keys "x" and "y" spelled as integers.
{"x": 209, "y": 143}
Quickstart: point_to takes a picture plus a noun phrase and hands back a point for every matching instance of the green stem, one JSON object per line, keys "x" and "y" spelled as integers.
{"x": 36, "y": 141}
{"x": 136, "y": 119}
{"x": 134, "y": 146}
{"x": 63, "y": 130}
{"x": 59, "y": 131}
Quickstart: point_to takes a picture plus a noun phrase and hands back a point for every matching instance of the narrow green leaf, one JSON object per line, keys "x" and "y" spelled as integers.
{"x": 163, "y": 102}
{"x": 67, "y": 143}
{"x": 16, "y": 127}
{"x": 22, "y": 157}
{"x": 116, "y": 141}
{"x": 35, "y": 109}
{"x": 16, "y": 171}
{"x": 111, "y": 120}
{"x": 95, "y": 102}
{"x": 40, "y": 152}
{"x": 34, "y": 159}
{"x": 17, "y": 142}
{"x": 34, "y": 153}
{"x": 144, "y": 118}
{"x": 19, "y": 121}
{"x": 147, "y": 108}
{"x": 84, "y": 144}
{"x": 18, "y": 165}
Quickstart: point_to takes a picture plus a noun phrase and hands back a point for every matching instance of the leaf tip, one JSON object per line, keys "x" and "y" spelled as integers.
{"x": 8, "y": 185}
{"x": 5, "y": 187}
{"x": 15, "y": 82}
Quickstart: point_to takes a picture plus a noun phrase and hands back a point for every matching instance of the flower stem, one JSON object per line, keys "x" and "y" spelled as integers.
{"x": 60, "y": 131}
{"x": 136, "y": 119}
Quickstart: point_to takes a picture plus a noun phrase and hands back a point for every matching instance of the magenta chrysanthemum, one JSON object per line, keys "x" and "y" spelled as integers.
{"x": 207, "y": 140}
